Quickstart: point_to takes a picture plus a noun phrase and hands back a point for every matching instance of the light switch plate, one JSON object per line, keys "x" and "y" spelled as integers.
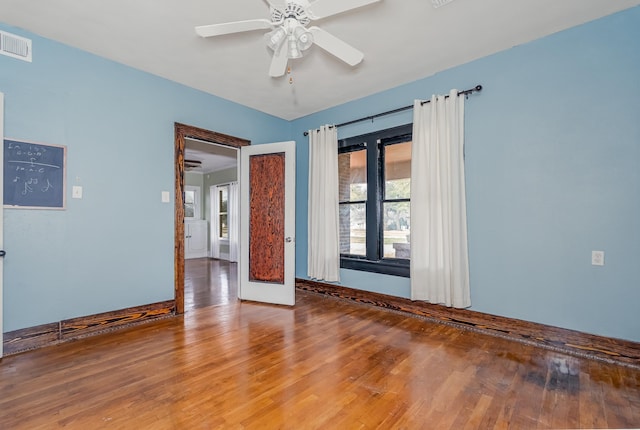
{"x": 76, "y": 192}
{"x": 597, "y": 258}
{"x": 166, "y": 197}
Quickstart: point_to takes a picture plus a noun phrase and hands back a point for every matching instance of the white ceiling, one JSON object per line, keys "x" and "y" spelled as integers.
{"x": 402, "y": 40}
{"x": 213, "y": 157}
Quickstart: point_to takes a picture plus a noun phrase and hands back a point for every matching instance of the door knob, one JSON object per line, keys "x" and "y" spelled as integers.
{"x": 2, "y": 253}
{"x": 288, "y": 239}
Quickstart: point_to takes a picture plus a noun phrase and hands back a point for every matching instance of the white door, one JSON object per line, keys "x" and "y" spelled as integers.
{"x": 198, "y": 240}
{"x": 1, "y": 209}
{"x": 267, "y": 226}
{"x": 195, "y": 239}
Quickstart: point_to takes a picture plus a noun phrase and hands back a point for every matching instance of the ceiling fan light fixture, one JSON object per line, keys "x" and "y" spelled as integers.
{"x": 294, "y": 50}
{"x": 276, "y": 38}
{"x": 304, "y": 38}
{"x": 289, "y": 36}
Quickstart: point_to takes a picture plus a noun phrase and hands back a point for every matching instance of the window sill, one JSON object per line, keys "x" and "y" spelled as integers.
{"x": 387, "y": 267}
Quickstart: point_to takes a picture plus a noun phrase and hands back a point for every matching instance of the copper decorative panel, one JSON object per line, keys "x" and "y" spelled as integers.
{"x": 266, "y": 218}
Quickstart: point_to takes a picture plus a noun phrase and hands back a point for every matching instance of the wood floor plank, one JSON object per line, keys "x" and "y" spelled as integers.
{"x": 325, "y": 363}
{"x": 557, "y": 339}
{"x": 591, "y": 403}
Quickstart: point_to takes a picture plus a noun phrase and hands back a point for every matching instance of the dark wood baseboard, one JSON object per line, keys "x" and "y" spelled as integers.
{"x": 51, "y": 334}
{"x": 549, "y": 337}
{"x": 31, "y": 338}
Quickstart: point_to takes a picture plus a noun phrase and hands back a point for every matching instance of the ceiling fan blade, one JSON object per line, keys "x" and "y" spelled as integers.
{"x": 336, "y": 47}
{"x": 279, "y": 62}
{"x": 324, "y": 8}
{"x": 277, "y": 4}
{"x": 232, "y": 27}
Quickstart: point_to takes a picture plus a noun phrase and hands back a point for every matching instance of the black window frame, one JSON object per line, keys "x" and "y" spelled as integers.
{"x": 374, "y": 144}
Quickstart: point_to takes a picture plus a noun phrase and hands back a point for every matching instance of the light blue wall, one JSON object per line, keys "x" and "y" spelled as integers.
{"x": 553, "y": 172}
{"x": 114, "y": 248}
{"x": 552, "y": 156}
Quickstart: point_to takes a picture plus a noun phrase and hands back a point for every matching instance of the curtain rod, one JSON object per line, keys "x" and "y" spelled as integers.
{"x": 475, "y": 89}
{"x": 224, "y": 184}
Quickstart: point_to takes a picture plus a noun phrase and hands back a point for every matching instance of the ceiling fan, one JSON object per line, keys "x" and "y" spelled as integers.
{"x": 289, "y": 35}
{"x": 191, "y": 164}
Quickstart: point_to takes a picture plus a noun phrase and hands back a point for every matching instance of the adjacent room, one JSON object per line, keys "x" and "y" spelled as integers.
{"x": 320, "y": 214}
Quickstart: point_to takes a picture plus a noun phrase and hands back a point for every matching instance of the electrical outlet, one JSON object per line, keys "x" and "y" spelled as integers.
{"x": 597, "y": 258}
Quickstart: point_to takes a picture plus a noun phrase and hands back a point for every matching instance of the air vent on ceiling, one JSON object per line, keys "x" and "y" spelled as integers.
{"x": 438, "y": 3}
{"x": 15, "y": 46}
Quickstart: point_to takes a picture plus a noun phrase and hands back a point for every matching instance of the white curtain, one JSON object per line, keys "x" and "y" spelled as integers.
{"x": 233, "y": 218}
{"x": 323, "y": 256}
{"x": 439, "y": 256}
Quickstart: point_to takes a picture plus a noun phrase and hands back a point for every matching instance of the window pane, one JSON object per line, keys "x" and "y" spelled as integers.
{"x": 396, "y": 230}
{"x": 352, "y": 171}
{"x": 189, "y": 210}
{"x": 224, "y": 229}
{"x": 223, "y": 200}
{"x": 189, "y": 197}
{"x": 192, "y": 202}
{"x": 353, "y": 229}
{"x": 397, "y": 173}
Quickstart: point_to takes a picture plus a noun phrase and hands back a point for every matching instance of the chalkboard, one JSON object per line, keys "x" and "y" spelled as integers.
{"x": 34, "y": 175}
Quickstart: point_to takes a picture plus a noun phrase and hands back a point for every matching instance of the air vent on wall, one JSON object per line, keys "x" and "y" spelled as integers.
{"x": 15, "y": 46}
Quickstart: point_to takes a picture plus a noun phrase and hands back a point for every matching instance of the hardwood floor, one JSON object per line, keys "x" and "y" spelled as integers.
{"x": 209, "y": 282}
{"x": 325, "y": 363}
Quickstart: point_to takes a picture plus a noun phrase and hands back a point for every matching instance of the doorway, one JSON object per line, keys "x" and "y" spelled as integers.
{"x": 209, "y": 282}
{"x": 183, "y": 132}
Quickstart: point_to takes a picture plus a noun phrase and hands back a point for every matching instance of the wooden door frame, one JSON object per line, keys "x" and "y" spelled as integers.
{"x": 183, "y": 131}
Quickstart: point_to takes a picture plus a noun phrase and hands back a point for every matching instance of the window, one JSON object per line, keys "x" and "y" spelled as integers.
{"x": 192, "y": 202}
{"x": 223, "y": 199}
{"x": 374, "y": 194}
